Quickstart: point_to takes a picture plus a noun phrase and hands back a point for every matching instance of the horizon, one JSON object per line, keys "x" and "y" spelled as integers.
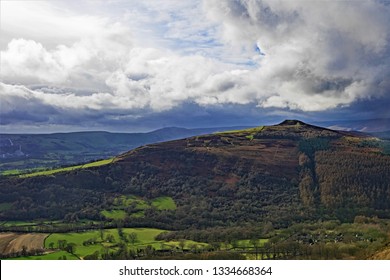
{"x": 330, "y": 124}
{"x": 125, "y": 66}
{"x": 130, "y": 132}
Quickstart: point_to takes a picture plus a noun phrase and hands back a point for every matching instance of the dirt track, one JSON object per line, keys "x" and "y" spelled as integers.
{"x": 12, "y": 242}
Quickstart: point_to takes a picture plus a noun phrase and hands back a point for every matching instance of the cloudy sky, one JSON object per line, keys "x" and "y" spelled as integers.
{"x": 121, "y": 65}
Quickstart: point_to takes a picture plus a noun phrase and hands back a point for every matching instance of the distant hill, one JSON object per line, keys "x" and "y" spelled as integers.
{"x": 369, "y": 126}
{"x": 283, "y": 173}
{"x": 383, "y": 135}
{"x": 26, "y": 151}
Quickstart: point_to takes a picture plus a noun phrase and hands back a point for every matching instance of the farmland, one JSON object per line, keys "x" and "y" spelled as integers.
{"x": 89, "y": 244}
{"x": 12, "y": 243}
{"x": 362, "y": 239}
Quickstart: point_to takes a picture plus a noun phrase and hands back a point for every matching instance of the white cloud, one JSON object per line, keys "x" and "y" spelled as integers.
{"x": 139, "y": 57}
{"x": 48, "y": 22}
{"x": 162, "y": 80}
{"x": 27, "y": 61}
{"x": 85, "y": 63}
{"x": 318, "y": 54}
{"x": 23, "y": 95}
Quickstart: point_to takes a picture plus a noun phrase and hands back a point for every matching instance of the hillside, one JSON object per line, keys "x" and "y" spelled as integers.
{"x": 282, "y": 173}
{"x": 382, "y": 255}
{"x": 286, "y": 191}
{"x": 20, "y": 152}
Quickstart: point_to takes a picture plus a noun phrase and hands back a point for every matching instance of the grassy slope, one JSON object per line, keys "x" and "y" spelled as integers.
{"x": 248, "y": 131}
{"x": 70, "y": 168}
{"x": 114, "y": 214}
{"x": 59, "y": 149}
{"x": 145, "y": 237}
{"x": 164, "y": 203}
{"x": 120, "y": 203}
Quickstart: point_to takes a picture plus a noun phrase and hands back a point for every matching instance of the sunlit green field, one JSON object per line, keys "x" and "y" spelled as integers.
{"x": 250, "y": 243}
{"x": 139, "y": 204}
{"x": 164, "y": 203}
{"x": 114, "y": 214}
{"x": 109, "y": 239}
{"x": 70, "y": 168}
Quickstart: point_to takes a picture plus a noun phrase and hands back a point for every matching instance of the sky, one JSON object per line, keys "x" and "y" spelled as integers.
{"x": 130, "y": 66}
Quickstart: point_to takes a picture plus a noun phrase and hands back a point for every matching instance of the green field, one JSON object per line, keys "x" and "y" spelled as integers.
{"x": 11, "y": 172}
{"x": 139, "y": 205}
{"x": 114, "y": 214}
{"x": 107, "y": 240}
{"x": 249, "y": 243}
{"x": 139, "y": 214}
{"x": 164, "y": 203}
{"x": 145, "y": 237}
{"x": 25, "y": 166}
{"x": 242, "y": 131}
{"x": 125, "y": 201}
{"x": 37, "y": 223}
{"x": 19, "y": 223}
{"x": 70, "y": 168}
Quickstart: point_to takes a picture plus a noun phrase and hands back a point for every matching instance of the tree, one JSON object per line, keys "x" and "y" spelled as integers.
{"x": 94, "y": 256}
{"x": 70, "y": 247}
{"x": 62, "y": 244}
{"x": 255, "y": 243}
{"x": 149, "y": 251}
{"x": 24, "y": 250}
{"x": 133, "y": 238}
{"x": 268, "y": 227}
{"x": 101, "y": 231}
{"x": 182, "y": 244}
{"x": 110, "y": 238}
{"x": 234, "y": 243}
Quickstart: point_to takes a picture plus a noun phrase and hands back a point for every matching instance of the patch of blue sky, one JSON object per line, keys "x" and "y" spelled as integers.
{"x": 195, "y": 45}
{"x": 258, "y": 50}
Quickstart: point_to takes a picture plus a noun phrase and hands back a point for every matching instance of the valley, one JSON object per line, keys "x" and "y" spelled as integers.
{"x": 362, "y": 239}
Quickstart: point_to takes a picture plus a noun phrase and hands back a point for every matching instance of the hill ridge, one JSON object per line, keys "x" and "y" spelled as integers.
{"x": 267, "y": 177}
{"x": 276, "y": 173}
{"x": 292, "y": 122}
